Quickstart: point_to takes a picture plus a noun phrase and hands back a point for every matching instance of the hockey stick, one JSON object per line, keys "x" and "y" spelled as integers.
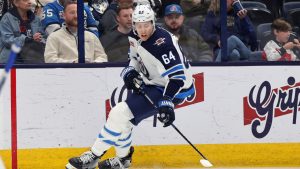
{"x": 203, "y": 161}
{"x": 15, "y": 49}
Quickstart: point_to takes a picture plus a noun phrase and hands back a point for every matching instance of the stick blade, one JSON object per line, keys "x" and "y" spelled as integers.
{"x": 1, "y": 164}
{"x": 206, "y": 163}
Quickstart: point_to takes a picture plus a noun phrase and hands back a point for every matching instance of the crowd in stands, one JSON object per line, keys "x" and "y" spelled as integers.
{"x": 61, "y": 46}
{"x": 257, "y": 30}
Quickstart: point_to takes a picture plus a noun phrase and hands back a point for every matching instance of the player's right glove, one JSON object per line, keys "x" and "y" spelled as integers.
{"x": 166, "y": 111}
{"x": 132, "y": 79}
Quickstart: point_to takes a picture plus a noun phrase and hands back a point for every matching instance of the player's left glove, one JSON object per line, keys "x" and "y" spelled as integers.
{"x": 166, "y": 111}
{"x": 132, "y": 79}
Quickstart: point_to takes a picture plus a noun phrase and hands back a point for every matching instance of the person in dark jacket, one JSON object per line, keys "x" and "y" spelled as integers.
{"x": 116, "y": 43}
{"x": 109, "y": 21}
{"x": 239, "y": 28}
{"x": 193, "y": 46}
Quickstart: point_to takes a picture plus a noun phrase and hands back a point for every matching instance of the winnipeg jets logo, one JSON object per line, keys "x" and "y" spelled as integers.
{"x": 159, "y": 41}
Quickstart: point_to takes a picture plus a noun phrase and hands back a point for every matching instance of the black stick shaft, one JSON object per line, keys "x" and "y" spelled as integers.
{"x": 149, "y": 99}
{"x": 188, "y": 141}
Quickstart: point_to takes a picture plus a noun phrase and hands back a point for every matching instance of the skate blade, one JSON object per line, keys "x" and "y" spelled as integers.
{"x": 69, "y": 166}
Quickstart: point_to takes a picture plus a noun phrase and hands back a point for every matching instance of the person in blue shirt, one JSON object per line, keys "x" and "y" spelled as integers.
{"x": 52, "y": 18}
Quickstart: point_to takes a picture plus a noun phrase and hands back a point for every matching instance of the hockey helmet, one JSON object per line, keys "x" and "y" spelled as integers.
{"x": 155, "y": 4}
{"x": 143, "y": 13}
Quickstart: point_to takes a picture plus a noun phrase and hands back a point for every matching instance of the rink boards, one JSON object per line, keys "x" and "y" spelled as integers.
{"x": 49, "y": 113}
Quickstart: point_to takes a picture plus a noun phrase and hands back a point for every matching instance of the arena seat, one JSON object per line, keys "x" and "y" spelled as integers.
{"x": 260, "y": 15}
{"x": 294, "y": 16}
{"x": 289, "y": 6}
{"x": 253, "y": 4}
{"x": 263, "y": 32}
{"x": 290, "y": 1}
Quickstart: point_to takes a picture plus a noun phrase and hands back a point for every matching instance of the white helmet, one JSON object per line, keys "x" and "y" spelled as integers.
{"x": 143, "y": 13}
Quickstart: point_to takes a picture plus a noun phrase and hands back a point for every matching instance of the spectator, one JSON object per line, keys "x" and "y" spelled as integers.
{"x": 116, "y": 42}
{"x": 109, "y": 19}
{"x": 238, "y": 24}
{"x": 193, "y": 46}
{"x": 61, "y": 46}
{"x": 281, "y": 47}
{"x": 20, "y": 25}
{"x": 236, "y": 50}
{"x": 53, "y": 19}
{"x": 165, "y": 3}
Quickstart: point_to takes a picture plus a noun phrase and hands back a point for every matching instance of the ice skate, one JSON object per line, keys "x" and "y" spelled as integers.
{"x": 116, "y": 162}
{"x": 87, "y": 160}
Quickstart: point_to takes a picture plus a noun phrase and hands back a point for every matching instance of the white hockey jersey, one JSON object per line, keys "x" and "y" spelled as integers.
{"x": 161, "y": 62}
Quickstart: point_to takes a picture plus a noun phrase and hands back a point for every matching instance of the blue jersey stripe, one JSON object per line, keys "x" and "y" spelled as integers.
{"x": 125, "y": 139}
{"x": 185, "y": 94}
{"x": 109, "y": 142}
{"x": 100, "y": 136}
{"x": 172, "y": 70}
{"x": 178, "y": 73}
{"x": 111, "y": 132}
{"x": 127, "y": 145}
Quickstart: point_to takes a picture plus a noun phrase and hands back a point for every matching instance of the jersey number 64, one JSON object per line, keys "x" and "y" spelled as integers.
{"x": 167, "y": 58}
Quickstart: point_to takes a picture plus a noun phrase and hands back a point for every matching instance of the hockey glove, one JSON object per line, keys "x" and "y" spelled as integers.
{"x": 132, "y": 79}
{"x": 166, "y": 111}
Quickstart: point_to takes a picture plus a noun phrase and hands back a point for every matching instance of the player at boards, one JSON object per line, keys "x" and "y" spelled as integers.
{"x": 158, "y": 65}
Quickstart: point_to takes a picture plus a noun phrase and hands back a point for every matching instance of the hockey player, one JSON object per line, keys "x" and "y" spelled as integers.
{"x": 156, "y": 61}
{"x": 52, "y": 18}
